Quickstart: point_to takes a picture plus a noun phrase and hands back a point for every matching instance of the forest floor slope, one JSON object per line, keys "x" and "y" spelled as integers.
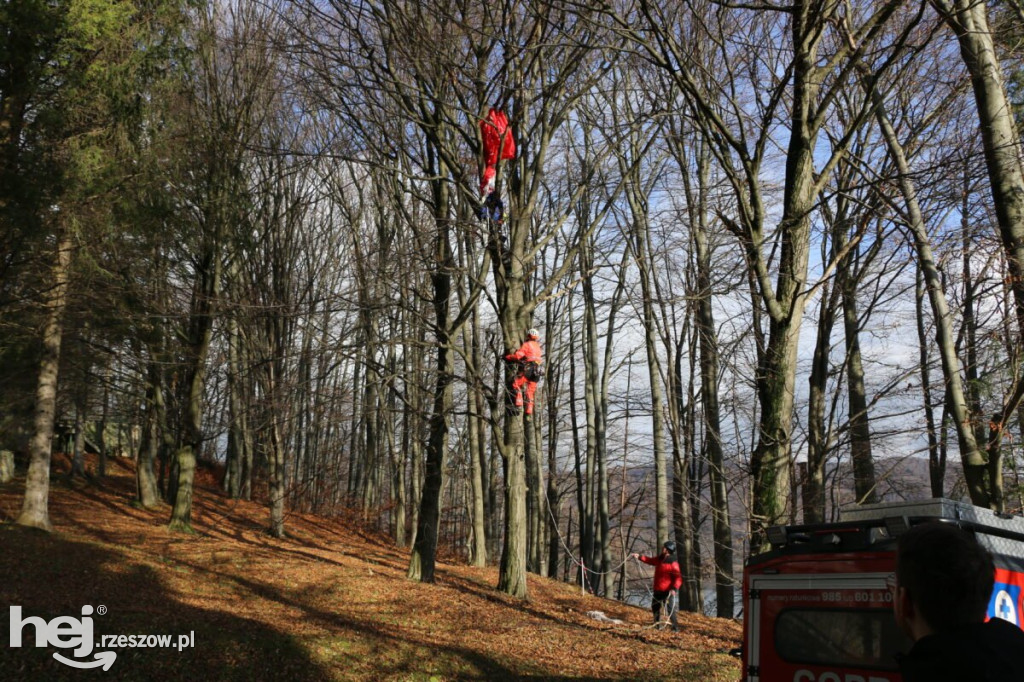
{"x": 330, "y": 602}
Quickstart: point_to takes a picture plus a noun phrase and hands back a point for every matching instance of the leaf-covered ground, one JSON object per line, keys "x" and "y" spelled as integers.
{"x": 329, "y": 602}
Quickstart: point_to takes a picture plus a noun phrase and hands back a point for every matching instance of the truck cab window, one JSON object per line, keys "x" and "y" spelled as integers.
{"x": 863, "y": 638}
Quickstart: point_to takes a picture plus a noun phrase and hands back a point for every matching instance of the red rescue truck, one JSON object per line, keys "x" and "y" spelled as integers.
{"x": 817, "y": 608}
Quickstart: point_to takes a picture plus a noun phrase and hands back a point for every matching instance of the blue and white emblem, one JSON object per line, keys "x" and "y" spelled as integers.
{"x": 1003, "y": 604}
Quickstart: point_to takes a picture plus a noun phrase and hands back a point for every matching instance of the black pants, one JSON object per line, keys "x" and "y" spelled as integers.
{"x": 670, "y": 605}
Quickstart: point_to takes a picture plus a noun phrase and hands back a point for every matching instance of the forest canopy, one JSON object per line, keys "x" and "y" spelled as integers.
{"x": 773, "y": 254}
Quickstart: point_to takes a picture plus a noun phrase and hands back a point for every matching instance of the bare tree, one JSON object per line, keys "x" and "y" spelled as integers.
{"x": 969, "y": 23}
{"x": 226, "y": 105}
{"x": 956, "y": 397}
{"x": 807, "y": 78}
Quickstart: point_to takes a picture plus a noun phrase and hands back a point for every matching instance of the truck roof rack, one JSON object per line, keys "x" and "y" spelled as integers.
{"x": 864, "y": 526}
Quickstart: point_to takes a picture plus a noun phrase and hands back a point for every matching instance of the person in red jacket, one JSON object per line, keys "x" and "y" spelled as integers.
{"x": 529, "y": 358}
{"x": 667, "y": 581}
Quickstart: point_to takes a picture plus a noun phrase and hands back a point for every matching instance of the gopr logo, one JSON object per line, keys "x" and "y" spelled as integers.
{"x": 64, "y": 632}
{"x": 808, "y": 676}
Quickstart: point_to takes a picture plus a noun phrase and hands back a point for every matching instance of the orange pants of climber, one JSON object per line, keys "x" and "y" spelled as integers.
{"x": 517, "y": 391}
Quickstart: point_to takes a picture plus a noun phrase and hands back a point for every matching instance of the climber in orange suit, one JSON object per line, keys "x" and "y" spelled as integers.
{"x": 529, "y": 358}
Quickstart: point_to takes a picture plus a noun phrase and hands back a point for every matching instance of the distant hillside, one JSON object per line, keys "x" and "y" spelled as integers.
{"x": 329, "y": 602}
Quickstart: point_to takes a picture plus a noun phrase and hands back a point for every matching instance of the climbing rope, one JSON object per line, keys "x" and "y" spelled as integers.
{"x": 584, "y": 570}
{"x": 671, "y": 604}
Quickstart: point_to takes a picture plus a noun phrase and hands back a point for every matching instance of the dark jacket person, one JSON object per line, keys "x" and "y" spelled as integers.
{"x": 944, "y": 581}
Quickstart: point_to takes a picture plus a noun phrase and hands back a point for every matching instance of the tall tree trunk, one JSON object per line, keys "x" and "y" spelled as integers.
{"x": 476, "y": 424}
{"x": 639, "y": 240}
{"x": 591, "y": 399}
{"x": 236, "y": 409}
{"x": 512, "y": 575}
{"x": 695, "y": 474}
{"x": 276, "y": 338}
{"x": 78, "y": 438}
{"x": 396, "y": 456}
{"x": 276, "y": 479}
{"x": 936, "y": 455}
{"x": 865, "y": 484}
{"x": 199, "y": 335}
{"x": 147, "y": 491}
{"x": 421, "y": 563}
{"x": 35, "y": 506}
{"x": 604, "y": 491}
{"x": 682, "y": 521}
{"x": 370, "y": 436}
{"x": 408, "y": 441}
{"x": 414, "y": 424}
{"x": 771, "y": 461}
{"x": 604, "y": 506}
{"x": 355, "y": 447}
{"x": 101, "y": 428}
{"x": 539, "y": 526}
{"x": 582, "y": 463}
{"x": 533, "y": 491}
{"x": 477, "y": 454}
{"x": 167, "y": 443}
{"x": 969, "y": 22}
{"x": 552, "y": 499}
{"x": 707, "y": 339}
{"x": 817, "y": 438}
{"x": 968, "y": 336}
{"x": 971, "y": 456}
{"x": 515, "y": 314}
{"x": 643, "y": 255}
{"x": 686, "y": 481}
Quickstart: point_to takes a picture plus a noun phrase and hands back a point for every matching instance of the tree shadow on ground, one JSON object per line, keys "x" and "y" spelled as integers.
{"x": 49, "y": 576}
{"x": 395, "y": 653}
{"x": 276, "y": 622}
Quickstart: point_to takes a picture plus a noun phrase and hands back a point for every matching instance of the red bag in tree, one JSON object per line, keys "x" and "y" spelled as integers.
{"x": 487, "y": 181}
{"x": 496, "y": 136}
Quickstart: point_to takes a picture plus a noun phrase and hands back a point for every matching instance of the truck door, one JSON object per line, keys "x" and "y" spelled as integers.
{"x": 822, "y": 628}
